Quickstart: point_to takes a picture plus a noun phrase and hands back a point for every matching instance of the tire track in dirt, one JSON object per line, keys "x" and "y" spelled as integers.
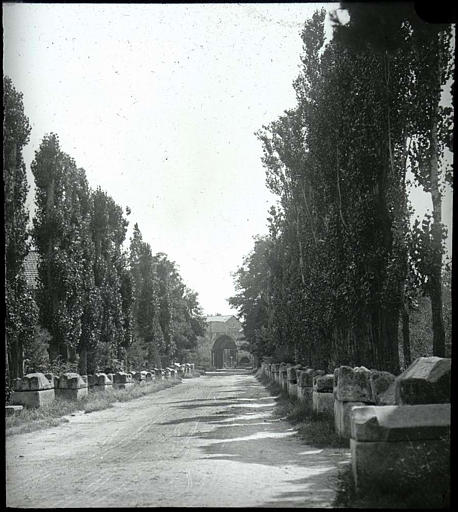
{"x": 209, "y": 441}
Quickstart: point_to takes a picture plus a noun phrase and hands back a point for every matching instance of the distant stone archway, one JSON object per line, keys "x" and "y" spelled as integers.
{"x": 224, "y": 352}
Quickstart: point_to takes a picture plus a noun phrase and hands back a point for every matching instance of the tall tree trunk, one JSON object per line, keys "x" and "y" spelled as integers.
{"x": 436, "y": 231}
{"x": 406, "y": 336}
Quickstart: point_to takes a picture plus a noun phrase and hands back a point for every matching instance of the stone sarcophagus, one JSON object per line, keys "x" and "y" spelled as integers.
{"x": 139, "y": 378}
{"x": 352, "y": 388}
{"x": 123, "y": 380}
{"x": 71, "y": 386}
{"x": 99, "y": 382}
{"x": 283, "y": 376}
{"x": 33, "y": 390}
{"x": 305, "y": 385}
{"x": 291, "y": 376}
{"x": 323, "y": 396}
{"x": 149, "y": 377}
{"x": 401, "y": 447}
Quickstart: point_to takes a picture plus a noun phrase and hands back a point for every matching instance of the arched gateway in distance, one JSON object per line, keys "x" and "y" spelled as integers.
{"x": 224, "y": 352}
{"x": 223, "y": 344}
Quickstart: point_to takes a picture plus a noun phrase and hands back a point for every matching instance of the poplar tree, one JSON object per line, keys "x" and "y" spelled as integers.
{"x": 21, "y": 312}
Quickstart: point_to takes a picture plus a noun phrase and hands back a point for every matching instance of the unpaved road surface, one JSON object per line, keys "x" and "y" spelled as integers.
{"x": 209, "y": 441}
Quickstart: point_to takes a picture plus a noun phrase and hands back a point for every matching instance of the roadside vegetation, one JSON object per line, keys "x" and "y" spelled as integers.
{"x": 315, "y": 429}
{"x": 57, "y": 412}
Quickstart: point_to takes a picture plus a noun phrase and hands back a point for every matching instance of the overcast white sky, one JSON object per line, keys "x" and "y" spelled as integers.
{"x": 159, "y": 104}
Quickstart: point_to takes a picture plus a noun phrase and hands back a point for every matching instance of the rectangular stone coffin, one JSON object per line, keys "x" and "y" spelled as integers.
{"x": 71, "y": 386}
{"x": 147, "y": 376}
{"x": 283, "y": 376}
{"x": 401, "y": 447}
{"x": 352, "y": 389}
{"x": 305, "y": 386}
{"x": 323, "y": 396}
{"x": 291, "y": 374}
{"x": 103, "y": 382}
{"x": 426, "y": 381}
{"x": 158, "y": 373}
{"x": 139, "y": 378}
{"x": 353, "y": 384}
{"x": 122, "y": 380}
{"x": 33, "y": 390}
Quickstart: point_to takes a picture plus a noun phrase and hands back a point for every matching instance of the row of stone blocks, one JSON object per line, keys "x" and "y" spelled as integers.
{"x": 38, "y": 389}
{"x": 312, "y": 387}
{"x": 392, "y": 422}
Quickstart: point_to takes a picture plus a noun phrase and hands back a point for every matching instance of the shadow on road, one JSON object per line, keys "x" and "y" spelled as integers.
{"x": 246, "y": 432}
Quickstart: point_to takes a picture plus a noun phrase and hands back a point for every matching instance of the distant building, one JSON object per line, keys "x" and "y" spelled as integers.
{"x": 223, "y": 343}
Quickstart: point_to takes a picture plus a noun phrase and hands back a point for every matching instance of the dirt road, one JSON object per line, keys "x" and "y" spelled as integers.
{"x": 210, "y": 441}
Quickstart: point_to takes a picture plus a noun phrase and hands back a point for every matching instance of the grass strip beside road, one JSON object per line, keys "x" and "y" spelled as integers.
{"x": 53, "y": 414}
{"x": 315, "y": 429}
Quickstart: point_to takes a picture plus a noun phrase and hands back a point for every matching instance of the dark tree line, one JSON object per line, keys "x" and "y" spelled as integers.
{"x": 98, "y": 304}
{"x": 343, "y": 265}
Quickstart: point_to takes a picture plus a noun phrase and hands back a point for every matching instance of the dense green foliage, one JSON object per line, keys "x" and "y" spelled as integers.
{"x": 97, "y": 306}
{"x": 341, "y": 265}
{"x": 21, "y": 313}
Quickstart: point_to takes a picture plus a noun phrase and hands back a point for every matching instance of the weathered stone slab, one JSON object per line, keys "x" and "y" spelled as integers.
{"x": 305, "y": 394}
{"x": 33, "y": 399}
{"x": 402, "y": 465}
{"x": 72, "y": 393}
{"x": 400, "y": 422}
{"x": 323, "y": 383}
{"x": 11, "y": 410}
{"x": 103, "y": 379}
{"x": 380, "y": 382}
{"x": 353, "y": 384}
{"x": 71, "y": 380}
{"x": 323, "y": 403}
{"x": 139, "y": 378}
{"x": 425, "y": 381}
{"x": 122, "y": 378}
{"x": 305, "y": 377}
{"x": 292, "y": 389}
{"x": 33, "y": 382}
{"x": 147, "y": 376}
{"x": 342, "y": 419}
